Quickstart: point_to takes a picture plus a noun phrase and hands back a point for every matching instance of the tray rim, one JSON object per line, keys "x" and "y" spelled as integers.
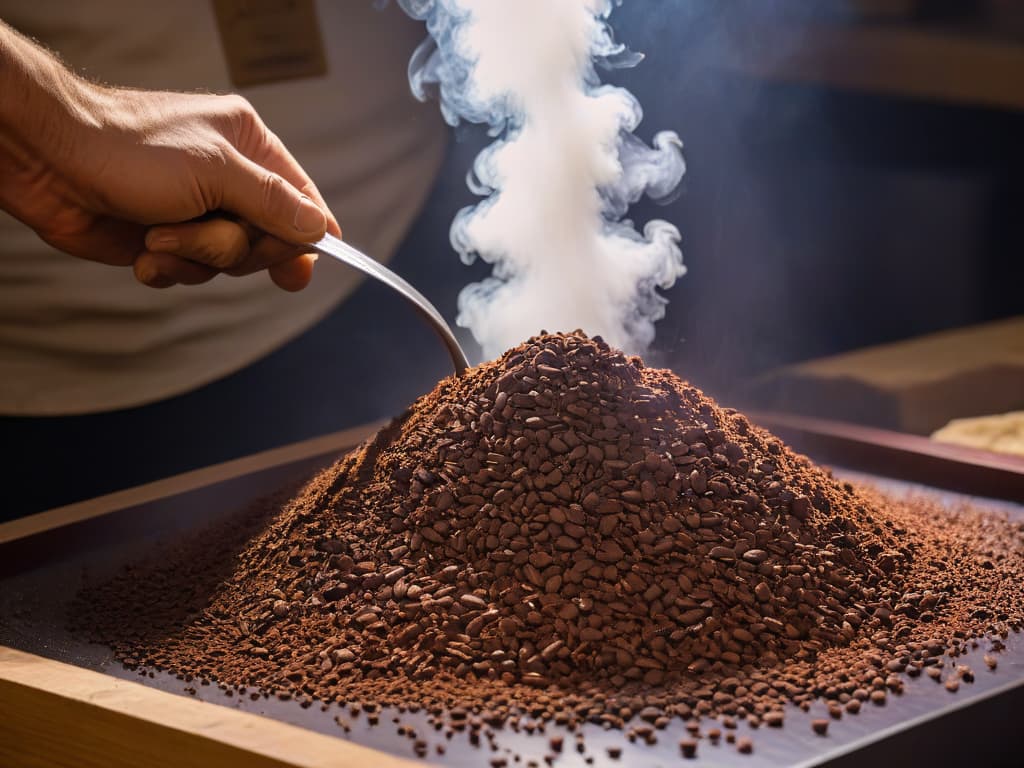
{"x": 40, "y": 522}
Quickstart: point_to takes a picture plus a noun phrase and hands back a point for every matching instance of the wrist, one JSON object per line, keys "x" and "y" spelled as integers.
{"x": 43, "y": 105}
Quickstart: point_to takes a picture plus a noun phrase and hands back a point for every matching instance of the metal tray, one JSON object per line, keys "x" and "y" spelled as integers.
{"x": 43, "y": 563}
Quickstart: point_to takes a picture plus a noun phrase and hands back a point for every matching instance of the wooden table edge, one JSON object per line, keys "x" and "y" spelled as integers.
{"x": 887, "y": 438}
{"x": 899, "y": 455}
{"x": 161, "y": 728}
{"x": 101, "y": 505}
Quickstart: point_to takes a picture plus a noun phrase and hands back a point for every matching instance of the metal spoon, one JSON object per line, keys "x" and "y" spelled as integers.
{"x": 343, "y": 252}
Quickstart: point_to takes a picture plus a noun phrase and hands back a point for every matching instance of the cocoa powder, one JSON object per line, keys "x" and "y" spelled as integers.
{"x": 566, "y": 533}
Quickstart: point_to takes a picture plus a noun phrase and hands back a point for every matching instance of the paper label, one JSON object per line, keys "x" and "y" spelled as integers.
{"x": 270, "y": 40}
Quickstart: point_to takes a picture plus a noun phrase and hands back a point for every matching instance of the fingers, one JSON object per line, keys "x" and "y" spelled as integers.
{"x": 266, "y": 200}
{"x": 162, "y": 270}
{"x": 232, "y": 247}
{"x": 294, "y": 274}
{"x": 265, "y": 186}
{"x": 220, "y": 245}
{"x": 287, "y": 265}
{"x": 264, "y": 252}
{"x": 216, "y": 242}
{"x": 266, "y": 149}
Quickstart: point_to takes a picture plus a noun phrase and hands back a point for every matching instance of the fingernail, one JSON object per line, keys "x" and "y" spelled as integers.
{"x": 146, "y": 275}
{"x": 162, "y": 241}
{"x": 309, "y": 219}
{"x": 149, "y": 276}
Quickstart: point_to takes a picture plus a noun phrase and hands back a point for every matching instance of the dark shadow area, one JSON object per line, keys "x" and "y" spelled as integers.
{"x": 985, "y": 734}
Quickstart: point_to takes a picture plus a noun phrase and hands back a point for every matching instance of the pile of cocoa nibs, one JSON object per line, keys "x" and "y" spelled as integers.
{"x": 563, "y": 535}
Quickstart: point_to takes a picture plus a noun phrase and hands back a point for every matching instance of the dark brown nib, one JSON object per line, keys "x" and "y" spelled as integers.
{"x": 565, "y": 536}
{"x": 688, "y": 747}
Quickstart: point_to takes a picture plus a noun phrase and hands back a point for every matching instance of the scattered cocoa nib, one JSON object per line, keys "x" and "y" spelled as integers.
{"x": 566, "y": 533}
{"x": 688, "y": 747}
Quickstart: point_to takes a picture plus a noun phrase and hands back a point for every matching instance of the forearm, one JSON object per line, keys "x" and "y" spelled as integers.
{"x": 40, "y": 99}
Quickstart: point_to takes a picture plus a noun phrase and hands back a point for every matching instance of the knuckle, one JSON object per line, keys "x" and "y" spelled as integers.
{"x": 201, "y": 249}
{"x": 207, "y": 166}
{"x": 235, "y": 247}
{"x": 272, "y": 194}
{"x": 230, "y": 242}
{"x": 239, "y": 106}
{"x": 236, "y": 240}
{"x": 247, "y": 129}
{"x": 216, "y": 254}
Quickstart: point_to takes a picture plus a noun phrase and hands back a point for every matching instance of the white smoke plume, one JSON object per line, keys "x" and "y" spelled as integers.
{"x": 560, "y": 176}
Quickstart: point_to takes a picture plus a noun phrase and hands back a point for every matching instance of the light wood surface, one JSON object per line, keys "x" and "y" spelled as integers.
{"x": 916, "y": 385}
{"x": 102, "y": 505}
{"x": 56, "y": 715}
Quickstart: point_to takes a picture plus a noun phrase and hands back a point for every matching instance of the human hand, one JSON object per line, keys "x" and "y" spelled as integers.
{"x": 92, "y": 168}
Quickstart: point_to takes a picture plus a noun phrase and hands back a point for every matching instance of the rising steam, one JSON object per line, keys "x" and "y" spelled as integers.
{"x": 560, "y": 176}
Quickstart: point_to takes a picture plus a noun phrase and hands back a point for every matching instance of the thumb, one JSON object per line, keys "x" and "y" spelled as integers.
{"x": 267, "y": 201}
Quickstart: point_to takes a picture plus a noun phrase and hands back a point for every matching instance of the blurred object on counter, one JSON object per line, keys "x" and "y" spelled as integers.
{"x": 852, "y": 10}
{"x": 930, "y": 50}
{"x": 1007, "y": 16}
{"x": 974, "y": 12}
{"x": 885, "y": 9}
{"x": 916, "y": 386}
{"x": 1000, "y": 433}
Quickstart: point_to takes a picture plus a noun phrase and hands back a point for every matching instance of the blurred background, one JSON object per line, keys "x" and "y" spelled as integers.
{"x": 852, "y": 228}
{"x": 855, "y": 177}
